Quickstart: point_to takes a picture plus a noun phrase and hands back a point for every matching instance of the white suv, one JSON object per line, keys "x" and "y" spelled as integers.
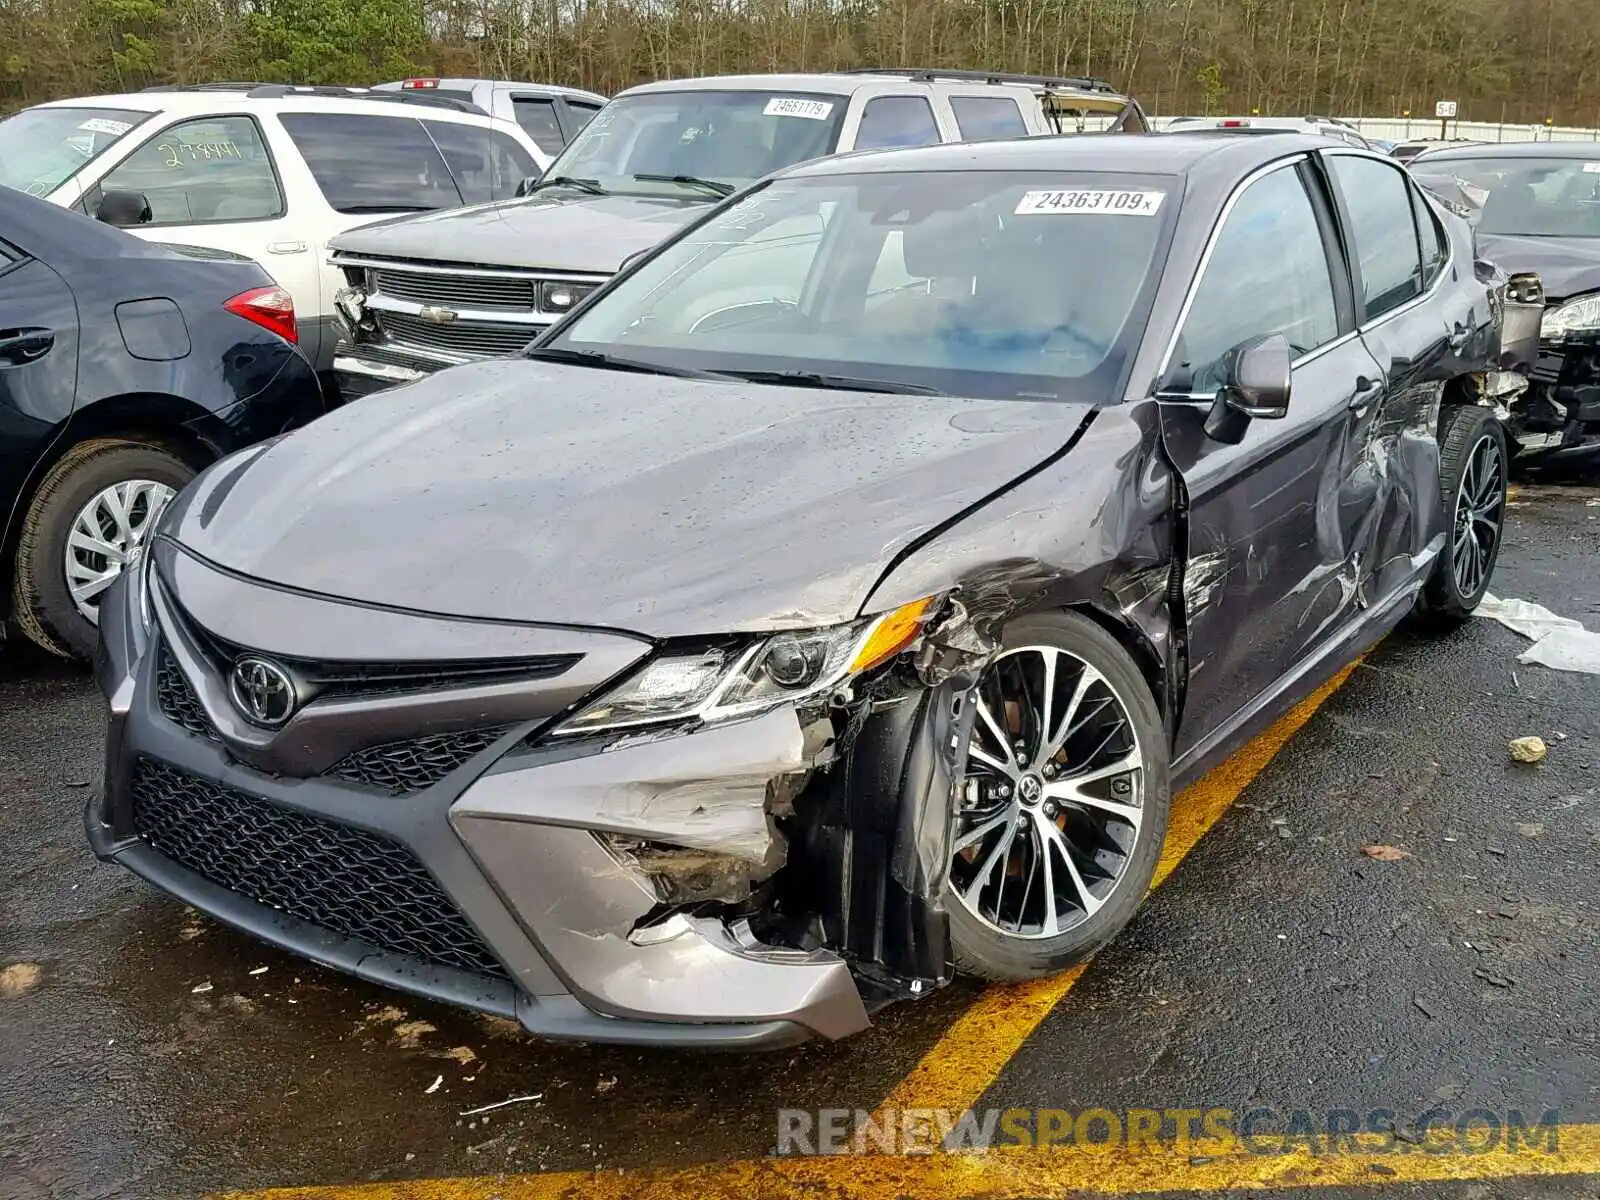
{"x": 269, "y": 171}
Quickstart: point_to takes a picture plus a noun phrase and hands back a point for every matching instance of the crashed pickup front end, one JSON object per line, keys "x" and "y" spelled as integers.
{"x": 600, "y": 837}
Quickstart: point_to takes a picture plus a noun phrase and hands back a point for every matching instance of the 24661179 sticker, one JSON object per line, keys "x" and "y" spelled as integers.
{"x": 794, "y": 106}
{"x": 103, "y": 125}
{"x": 1096, "y": 201}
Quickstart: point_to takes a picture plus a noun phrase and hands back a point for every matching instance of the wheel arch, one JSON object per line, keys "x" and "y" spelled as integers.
{"x": 158, "y": 419}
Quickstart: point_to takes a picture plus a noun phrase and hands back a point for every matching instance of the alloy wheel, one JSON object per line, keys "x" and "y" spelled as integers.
{"x": 1052, "y": 803}
{"x": 106, "y": 535}
{"x": 1480, "y": 511}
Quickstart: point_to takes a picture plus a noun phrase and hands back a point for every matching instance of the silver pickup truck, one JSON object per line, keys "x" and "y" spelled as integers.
{"x": 425, "y": 292}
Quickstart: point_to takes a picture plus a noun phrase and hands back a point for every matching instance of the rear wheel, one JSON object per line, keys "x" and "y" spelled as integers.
{"x": 1473, "y": 471}
{"x": 1062, "y": 809}
{"x": 92, "y": 511}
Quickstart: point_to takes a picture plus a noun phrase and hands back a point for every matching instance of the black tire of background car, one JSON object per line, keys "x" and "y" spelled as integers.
{"x": 40, "y": 600}
{"x": 991, "y": 955}
{"x": 1442, "y": 606}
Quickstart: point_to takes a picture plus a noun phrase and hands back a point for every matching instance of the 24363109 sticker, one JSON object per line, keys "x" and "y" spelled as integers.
{"x": 1108, "y": 202}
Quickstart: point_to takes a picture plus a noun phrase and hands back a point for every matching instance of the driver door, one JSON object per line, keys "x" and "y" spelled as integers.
{"x": 1266, "y": 581}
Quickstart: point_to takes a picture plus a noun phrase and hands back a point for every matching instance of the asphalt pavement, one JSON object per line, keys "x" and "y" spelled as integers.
{"x": 147, "y": 1052}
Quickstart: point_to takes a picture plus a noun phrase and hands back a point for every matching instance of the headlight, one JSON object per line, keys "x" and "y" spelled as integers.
{"x": 1575, "y": 316}
{"x": 721, "y": 683}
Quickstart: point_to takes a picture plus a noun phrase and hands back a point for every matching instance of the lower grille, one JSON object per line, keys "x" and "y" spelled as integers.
{"x": 177, "y": 700}
{"x": 400, "y": 768}
{"x": 347, "y": 880}
{"x": 474, "y": 341}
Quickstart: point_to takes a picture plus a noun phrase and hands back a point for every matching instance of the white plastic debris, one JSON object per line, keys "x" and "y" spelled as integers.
{"x": 1559, "y": 643}
{"x": 472, "y": 1112}
{"x": 434, "y": 1086}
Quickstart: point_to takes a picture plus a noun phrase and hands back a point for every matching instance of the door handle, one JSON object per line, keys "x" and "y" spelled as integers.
{"x": 286, "y": 247}
{"x": 1366, "y": 388}
{"x": 21, "y": 346}
{"x": 1460, "y": 335}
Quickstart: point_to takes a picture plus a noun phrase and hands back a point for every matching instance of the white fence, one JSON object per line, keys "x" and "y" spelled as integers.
{"x": 1404, "y": 129}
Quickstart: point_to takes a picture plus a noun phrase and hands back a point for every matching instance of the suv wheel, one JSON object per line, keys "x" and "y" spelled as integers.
{"x": 91, "y": 512}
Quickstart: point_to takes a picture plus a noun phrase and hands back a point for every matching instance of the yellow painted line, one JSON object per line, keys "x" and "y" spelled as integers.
{"x": 1001, "y": 1174}
{"x": 965, "y": 1062}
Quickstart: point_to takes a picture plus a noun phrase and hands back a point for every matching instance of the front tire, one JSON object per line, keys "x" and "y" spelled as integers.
{"x": 92, "y": 509}
{"x": 1062, "y": 810}
{"x": 1473, "y": 474}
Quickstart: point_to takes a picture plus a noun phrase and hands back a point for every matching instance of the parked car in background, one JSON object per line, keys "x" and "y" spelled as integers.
{"x": 550, "y": 115}
{"x": 267, "y": 171}
{"x": 1407, "y": 152}
{"x": 1324, "y": 126}
{"x": 724, "y": 667}
{"x": 1536, "y": 206}
{"x": 125, "y": 367}
{"x": 428, "y": 292}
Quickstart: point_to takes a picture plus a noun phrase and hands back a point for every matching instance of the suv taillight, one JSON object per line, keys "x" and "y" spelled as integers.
{"x": 269, "y": 307}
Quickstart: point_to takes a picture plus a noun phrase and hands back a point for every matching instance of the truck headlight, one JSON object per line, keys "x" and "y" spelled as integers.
{"x": 1580, "y": 315}
{"x": 721, "y": 683}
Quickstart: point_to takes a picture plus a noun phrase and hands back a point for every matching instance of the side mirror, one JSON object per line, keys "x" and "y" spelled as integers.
{"x": 529, "y": 182}
{"x": 1256, "y": 378}
{"x": 124, "y": 209}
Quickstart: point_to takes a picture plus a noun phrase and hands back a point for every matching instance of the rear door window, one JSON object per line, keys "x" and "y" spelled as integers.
{"x": 1435, "y": 250}
{"x": 579, "y": 114}
{"x": 986, "y": 118}
{"x": 487, "y": 164}
{"x": 891, "y": 122}
{"x": 209, "y": 171}
{"x": 538, "y": 118}
{"x": 371, "y": 164}
{"x": 1377, "y": 200}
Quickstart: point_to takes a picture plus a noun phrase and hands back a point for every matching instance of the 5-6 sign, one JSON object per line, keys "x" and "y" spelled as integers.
{"x": 1445, "y": 109}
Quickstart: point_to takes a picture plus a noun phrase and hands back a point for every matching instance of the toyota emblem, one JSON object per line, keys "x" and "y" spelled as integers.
{"x": 262, "y": 691}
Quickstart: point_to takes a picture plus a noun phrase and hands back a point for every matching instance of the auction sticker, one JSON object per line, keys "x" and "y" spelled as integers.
{"x": 1591, "y": 168}
{"x": 101, "y": 125}
{"x": 793, "y": 106}
{"x": 1082, "y": 200}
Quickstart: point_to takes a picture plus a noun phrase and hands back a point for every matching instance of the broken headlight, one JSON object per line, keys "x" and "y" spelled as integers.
{"x": 1581, "y": 315}
{"x": 720, "y": 683}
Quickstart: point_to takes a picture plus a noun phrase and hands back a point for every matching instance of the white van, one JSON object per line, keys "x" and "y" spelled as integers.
{"x": 269, "y": 171}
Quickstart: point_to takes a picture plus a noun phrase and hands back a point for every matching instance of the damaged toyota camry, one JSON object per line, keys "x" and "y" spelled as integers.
{"x": 830, "y": 605}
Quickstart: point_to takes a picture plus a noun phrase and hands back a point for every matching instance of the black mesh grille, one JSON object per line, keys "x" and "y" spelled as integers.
{"x": 347, "y": 880}
{"x": 399, "y": 768}
{"x": 178, "y": 702}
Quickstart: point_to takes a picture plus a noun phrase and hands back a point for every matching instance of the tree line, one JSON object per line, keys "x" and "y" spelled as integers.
{"x": 1515, "y": 60}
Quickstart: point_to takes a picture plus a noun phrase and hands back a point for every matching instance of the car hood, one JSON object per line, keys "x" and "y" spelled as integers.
{"x": 524, "y": 491}
{"x": 1567, "y": 266}
{"x": 555, "y": 232}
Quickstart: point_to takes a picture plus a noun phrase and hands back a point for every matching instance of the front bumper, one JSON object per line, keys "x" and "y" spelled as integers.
{"x": 1560, "y": 419}
{"x": 486, "y": 887}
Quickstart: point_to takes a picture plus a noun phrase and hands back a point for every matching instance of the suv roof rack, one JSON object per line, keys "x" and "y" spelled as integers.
{"x": 281, "y": 91}
{"x": 1082, "y": 83}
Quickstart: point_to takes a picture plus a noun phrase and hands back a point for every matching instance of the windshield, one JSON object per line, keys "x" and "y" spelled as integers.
{"x": 1003, "y": 284}
{"x": 730, "y": 138}
{"x": 1524, "y": 197}
{"x": 41, "y": 148}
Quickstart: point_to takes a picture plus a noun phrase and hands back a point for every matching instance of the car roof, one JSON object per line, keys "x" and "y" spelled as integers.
{"x": 461, "y": 83}
{"x": 828, "y": 82}
{"x": 1576, "y": 150}
{"x": 1134, "y": 153}
{"x": 202, "y": 102}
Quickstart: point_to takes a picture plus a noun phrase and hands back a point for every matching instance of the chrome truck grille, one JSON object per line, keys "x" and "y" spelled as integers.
{"x": 429, "y": 315}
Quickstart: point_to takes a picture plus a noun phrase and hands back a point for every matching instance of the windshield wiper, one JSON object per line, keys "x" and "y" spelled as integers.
{"x": 591, "y": 186}
{"x": 842, "y": 383}
{"x": 598, "y": 358}
{"x": 714, "y": 186}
